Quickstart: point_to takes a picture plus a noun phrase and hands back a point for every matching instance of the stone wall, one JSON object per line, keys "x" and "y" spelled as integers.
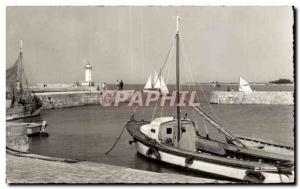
{"x": 60, "y": 88}
{"x": 77, "y": 98}
{"x": 258, "y": 97}
{"x": 16, "y": 137}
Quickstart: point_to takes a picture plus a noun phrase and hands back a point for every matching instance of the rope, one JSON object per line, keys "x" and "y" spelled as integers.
{"x": 186, "y": 68}
{"x": 166, "y": 59}
{"x": 206, "y": 130}
{"x": 23, "y": 72}
{"x": 210, "y": 106}
{"x": 165, "y": 63}
{"x": 153, "y": 114}
{"x": 188, "y": 79}
{"x": 23, "y": 75}
{"x": 134, "y": 110}
{"x": 167, "y": 81}
{"x": 116, "y": 141}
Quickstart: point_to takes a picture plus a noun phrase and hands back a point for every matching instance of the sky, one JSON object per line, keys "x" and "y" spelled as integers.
{"x": 218, "y": 43}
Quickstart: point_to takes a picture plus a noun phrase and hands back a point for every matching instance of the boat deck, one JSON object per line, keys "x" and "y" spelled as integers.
{"x": 133, "y": 129}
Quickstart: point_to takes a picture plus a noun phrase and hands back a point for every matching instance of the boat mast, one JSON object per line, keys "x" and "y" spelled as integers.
{"x": 159, "y": 79}
{"x": 177, "y": 80}
{"x": 20, "y": 66}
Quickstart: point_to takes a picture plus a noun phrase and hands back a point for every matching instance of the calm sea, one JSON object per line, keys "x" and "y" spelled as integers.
{"x": 87, "y": 132}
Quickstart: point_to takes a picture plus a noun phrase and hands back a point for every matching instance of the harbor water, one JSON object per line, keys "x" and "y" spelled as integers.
{"x": 87, "y": 132}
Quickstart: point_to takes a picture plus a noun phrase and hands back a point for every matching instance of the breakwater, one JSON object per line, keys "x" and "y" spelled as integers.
{"x": 52, "y": 100}
{"x": 257, "y": 97}
{"x": 16, "y": 137}
{"x": 40, "y": 88}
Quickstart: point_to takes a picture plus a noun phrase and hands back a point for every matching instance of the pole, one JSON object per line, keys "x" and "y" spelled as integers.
{"x": 20, "y": 68}
{"x": 159, "y": 78}
{"x": 177, "y": 81}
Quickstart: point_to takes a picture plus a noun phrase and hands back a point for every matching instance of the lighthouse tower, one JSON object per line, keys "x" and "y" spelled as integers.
{"x": 88, "y": 73}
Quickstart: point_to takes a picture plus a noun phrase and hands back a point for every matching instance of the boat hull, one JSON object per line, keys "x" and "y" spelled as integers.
{"x": 211, "y": 168}
{"x": 223, "y": 167}
{"x": 36, "y": 129}
{"x": 21, "y": 112}
{"x": 33, "y": 130}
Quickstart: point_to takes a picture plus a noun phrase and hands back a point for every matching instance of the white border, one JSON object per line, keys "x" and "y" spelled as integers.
{"x": 5, "y": 3}
{"x": 153, "y": 2}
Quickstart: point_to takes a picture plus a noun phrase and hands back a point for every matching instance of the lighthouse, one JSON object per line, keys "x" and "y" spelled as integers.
{"x": 88, "y": 73}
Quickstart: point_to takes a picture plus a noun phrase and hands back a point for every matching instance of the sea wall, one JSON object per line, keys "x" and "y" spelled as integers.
{"x": 53, "y": 100}
{"x": 39, "y": 88}
{"x": 16, "y": 137}
{"x": 257, "y": 97}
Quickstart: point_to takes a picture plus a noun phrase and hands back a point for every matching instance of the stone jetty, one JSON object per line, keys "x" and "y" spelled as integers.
{"x": 32, "y": 169}
{"x": 16, "y": 137}
{"x": 53, "y": 100}
{"x": 257, "y": 97}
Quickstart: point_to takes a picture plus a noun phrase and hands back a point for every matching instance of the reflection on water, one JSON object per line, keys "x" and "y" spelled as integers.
{"x": 87, "y": 132}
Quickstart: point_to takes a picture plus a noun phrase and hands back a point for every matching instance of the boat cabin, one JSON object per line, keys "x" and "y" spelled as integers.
{"x": 163, "y": 130}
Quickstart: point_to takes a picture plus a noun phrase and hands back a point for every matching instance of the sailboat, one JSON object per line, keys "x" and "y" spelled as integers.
{"x": 177, "y": 140}
{"x": 20, "y": 101}
{"x": 156, "y": 85}
{"x": 244, "y": 86}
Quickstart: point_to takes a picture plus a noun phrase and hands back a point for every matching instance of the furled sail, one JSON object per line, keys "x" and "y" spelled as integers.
{"x": 244, "y": 86}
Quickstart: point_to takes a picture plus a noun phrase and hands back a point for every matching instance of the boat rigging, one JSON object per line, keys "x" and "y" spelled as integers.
{"x": 177, "y": 140}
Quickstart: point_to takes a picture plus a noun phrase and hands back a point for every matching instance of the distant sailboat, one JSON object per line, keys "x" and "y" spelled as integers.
{"x": 244, "y": 86}
{"x": 156, "y": 85}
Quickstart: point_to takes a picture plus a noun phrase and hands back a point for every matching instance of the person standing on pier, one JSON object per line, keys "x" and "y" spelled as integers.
{"x": 218, "y": 86}
{"x": 121, "y": 85}
{"x": 103, "y": 86}
{"x": 214, "y": 86}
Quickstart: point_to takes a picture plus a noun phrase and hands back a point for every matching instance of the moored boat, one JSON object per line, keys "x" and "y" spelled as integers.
{"x": 214, "y": 158}
{"x": 178, "y": 141}
{"x": 36, "y": 129}
{"x": 20, "y": 101}
{"x": 32, "y": 129}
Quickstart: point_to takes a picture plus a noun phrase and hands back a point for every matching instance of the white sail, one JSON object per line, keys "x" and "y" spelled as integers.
{"x": 148, "y": 83}
{"x": 244, "y": 86}
{"x": 156, "y": 81}
{"x": 163, "y": 88}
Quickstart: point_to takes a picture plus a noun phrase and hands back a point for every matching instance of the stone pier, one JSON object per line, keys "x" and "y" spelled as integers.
{"x": 16, "y": 137}
{"x": 53, "y": 100}
{"x": 36, "y": 169}
{"x": 257, "y": 97}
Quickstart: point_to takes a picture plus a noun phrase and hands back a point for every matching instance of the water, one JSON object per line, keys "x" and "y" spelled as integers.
{"x": 87, "y": 132}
